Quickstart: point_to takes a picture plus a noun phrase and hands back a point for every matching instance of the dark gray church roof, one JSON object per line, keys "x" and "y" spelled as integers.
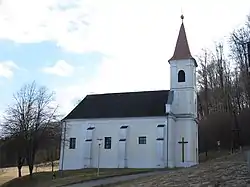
{"x": 120, "y": 105}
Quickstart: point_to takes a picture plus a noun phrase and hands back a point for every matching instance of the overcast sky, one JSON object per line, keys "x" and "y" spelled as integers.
{"x": 77, "y": 47}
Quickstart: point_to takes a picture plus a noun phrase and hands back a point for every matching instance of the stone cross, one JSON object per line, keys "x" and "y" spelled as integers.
{"x": 182, "y": 142}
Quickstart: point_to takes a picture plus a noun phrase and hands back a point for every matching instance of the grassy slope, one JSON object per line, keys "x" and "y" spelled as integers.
{"x": 212, "y": 154}
{"x": 44, "y": 175}
{"x": 215, "y": 157}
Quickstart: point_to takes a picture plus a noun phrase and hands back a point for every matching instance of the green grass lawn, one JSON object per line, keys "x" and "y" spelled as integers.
{"x": 42, "y": 179}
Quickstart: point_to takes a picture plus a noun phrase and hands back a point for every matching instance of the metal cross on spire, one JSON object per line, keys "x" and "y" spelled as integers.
{"x": 182, "y": 16}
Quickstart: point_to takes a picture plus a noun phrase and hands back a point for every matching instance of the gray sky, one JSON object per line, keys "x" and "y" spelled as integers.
{"x": 137, "y": 37}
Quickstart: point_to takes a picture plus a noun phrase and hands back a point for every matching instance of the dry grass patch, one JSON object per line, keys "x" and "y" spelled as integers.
{"x": 42, "y": 179}
{"x": 43, "y": 176}
{"x": 7, "y": 174}
{"x": 212, "y": 155}
{"x": 202, "y": 157}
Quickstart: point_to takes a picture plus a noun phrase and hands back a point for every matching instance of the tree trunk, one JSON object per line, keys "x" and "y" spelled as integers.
{"x": 30, "y": 161}
{"x": 19, "y": 172}
{"x": 31, "y": 169}
{"x": 52, "y": 165}
{"x": 20, "y": 162}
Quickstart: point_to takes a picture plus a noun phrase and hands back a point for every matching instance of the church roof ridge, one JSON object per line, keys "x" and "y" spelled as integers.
{"x": 126, "y": 92}
{"x": 182, "y": 50}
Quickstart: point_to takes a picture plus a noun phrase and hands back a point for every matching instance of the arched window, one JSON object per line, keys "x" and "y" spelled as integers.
{"x": 181, "y": 76}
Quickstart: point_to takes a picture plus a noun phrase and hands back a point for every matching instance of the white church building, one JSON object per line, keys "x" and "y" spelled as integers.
{"x": 146, "y": 129}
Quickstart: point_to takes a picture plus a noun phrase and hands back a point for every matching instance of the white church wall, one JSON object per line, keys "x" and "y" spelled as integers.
{"x": 195, "y": 106}
{"x": 72, "y": 158}
{"x": 183, "y": 91}
{"x": 138, "y": 155}
{"x": 171, "y": 143}
{"x": 88, "y": 146}
{"x": 186, "y": 128}
{"x": 185, "y": 102}
{"x": 161, "y": 144}
{"x": 122, "y": 146}
{"x": 197, "y": 144}
{"x": 122, "y": 154}
{"x": 188, "y": 67}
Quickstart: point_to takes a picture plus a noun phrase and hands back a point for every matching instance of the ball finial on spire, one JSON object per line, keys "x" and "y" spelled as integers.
{"x": 182, "y": 17}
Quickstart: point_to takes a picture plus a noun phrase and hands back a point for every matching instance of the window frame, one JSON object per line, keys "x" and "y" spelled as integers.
{"x": 181, "y": 76}
{"x": 142, "y": 140}
{"x": 72, "y": 143}
{"x": 107, "y": 142}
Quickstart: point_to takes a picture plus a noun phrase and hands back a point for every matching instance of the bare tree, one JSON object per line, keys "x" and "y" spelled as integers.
{"x": 29, "y": 117}
{"x": 238, "y": 46}
{"x": 51, "y": 145}
{"x": 203, "y": 83}
{"x": 224, "y": 90}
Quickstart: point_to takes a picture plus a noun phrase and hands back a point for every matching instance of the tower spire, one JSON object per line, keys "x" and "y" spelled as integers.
{"x": 182, "y": 50}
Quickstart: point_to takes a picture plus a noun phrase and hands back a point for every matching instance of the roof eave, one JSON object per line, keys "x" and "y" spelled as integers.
{"x": 188, "y": 58}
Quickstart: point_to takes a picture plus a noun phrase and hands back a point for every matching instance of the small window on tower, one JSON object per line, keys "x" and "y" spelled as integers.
{"x": 181, "y": 76}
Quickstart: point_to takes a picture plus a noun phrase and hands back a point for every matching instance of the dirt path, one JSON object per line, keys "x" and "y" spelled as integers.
{"x": 112, "y": 180}
{"x": 7, "y": 175}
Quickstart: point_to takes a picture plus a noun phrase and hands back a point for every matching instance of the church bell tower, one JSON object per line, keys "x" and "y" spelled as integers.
{"x": 184, "y": 105}
{"x": 183, "y": 77}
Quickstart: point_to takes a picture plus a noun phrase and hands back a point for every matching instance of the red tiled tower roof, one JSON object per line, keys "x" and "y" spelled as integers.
{"x": 182, "y": 50}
